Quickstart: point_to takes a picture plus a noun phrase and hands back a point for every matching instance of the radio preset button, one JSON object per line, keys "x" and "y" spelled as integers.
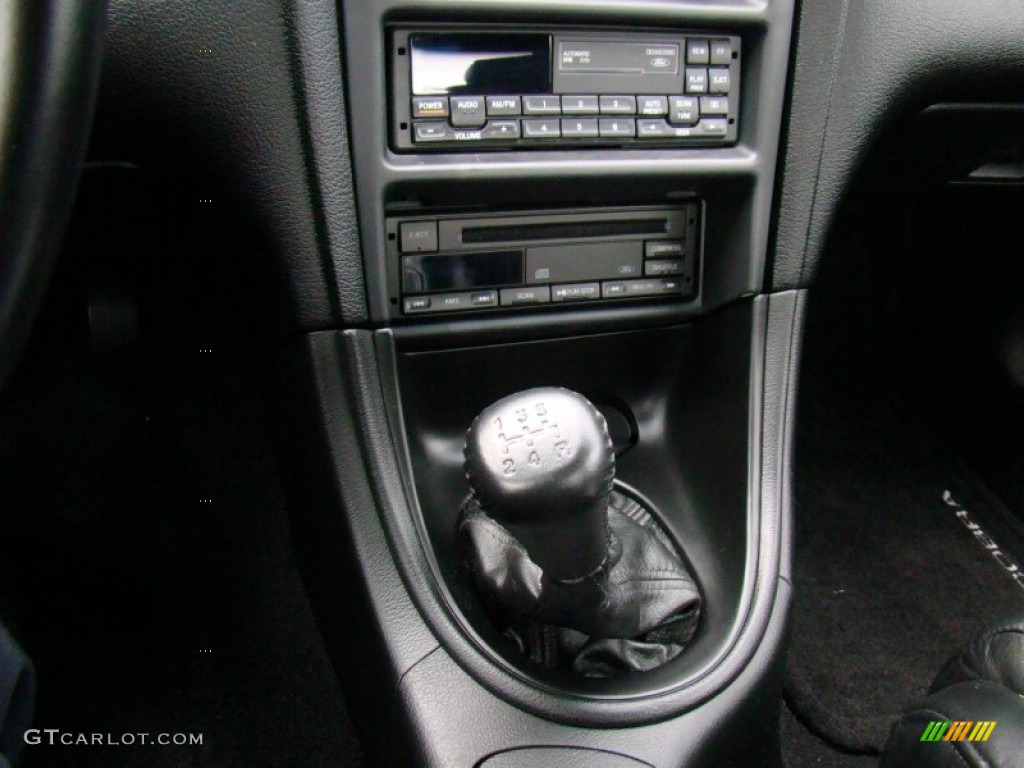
{"x": 618, "y": 105}
{"x": 714, "y": 105}
{"x": 503, "y": 105}
{"x": 431, "y": 132}
{"x": 721, "y": 52}
{"x": 697, "y": 52}
{"x": 656, "y": 248}
{"x": 417, "y": 236}
{"x": 576, "y": 292}
{"x": 467, "y": 111}
{"x": 718, "y": 80}
{"x": 683, "y": 110}
{"x": 581, "y": 128}
{"x": 417, "y": 304}
{"x": 511, "y": 297}
{"x": 579, "y": 105}
{"x": 541, "y": 129}
{"x": 652, "y": 106}
{"x": 430, "y": 106}
{"x": 615, "y": 127}
{"x": 501, "y": 129}
{"x": 696, "y": 80}
{"x": 542, "y": 105}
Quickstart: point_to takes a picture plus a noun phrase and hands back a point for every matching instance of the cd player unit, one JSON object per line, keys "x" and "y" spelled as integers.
{"x": 466, "y": 263}
{"x": 477, "y": 89}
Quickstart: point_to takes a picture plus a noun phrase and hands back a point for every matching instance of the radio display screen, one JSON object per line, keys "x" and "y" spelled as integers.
{"x": 480, "y": 63}
{"x": 461, "y": 271}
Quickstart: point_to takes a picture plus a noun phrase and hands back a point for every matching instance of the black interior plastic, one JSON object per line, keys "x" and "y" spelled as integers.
{"x": 687, "y": 388}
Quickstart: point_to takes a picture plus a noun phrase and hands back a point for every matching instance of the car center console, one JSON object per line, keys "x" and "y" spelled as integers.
{"x": 568, "y": 195}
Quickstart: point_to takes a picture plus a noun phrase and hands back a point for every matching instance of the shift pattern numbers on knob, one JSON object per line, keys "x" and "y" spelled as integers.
{"x": 526, "y": 436}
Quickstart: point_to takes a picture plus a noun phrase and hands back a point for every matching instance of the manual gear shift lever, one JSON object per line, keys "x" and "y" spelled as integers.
{"x": 575, "y": 573}
{"x": 541, "y": 463}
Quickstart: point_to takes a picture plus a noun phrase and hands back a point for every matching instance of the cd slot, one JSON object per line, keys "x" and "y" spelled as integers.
{"x": 567, "y": 230}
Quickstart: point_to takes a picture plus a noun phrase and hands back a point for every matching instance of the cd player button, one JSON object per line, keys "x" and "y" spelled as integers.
{"x": 430, "y": 106}
{"x": 651, "y": 106}
{"x": 696, "y": 80}
{"x": 511, "y": 297}
{"x": 713, "y": 127}
{"x": 579, "y": 105}
{"x": 542, "y": 105}
{"x": 662, "y": 267}
{"x": 613, "y": 290}
{"x": 721, "y": 52}
{"x": 501, "y": 129}
{"x": 498, "y": 106}
{"x": 718, "y": 81}
{"x": 697, "y": 52}
{"x": 432, "y": 132}
{"x": 417, "y": 304}
{"x": 714, "y": 105}
{"x": 576, "y": 292}
{"x": 652, "y": 129}
{"x": 467, "y": 111}
{"x": 417, "y": 236}
{"x": 618, "y": 105}
{"x": 656, "y": 248}
{"x": 617, "y": 127}
{"x": 484, "y": 299}
{"x": 682, "y": 110}
{"x": 579, "y": 127}
{"x": 541, "y": 129}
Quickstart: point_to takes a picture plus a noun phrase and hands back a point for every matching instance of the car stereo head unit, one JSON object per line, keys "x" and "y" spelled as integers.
{"x": 459, "y": 263}
{"x": 516, "y": 88}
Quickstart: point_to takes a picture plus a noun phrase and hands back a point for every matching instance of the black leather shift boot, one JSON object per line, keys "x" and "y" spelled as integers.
{"x": 635, "y": 612}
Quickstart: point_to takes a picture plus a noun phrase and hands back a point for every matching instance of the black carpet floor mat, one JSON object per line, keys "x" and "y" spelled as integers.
{"x": 889, "y": 579}
{"x": 148, "y": 569}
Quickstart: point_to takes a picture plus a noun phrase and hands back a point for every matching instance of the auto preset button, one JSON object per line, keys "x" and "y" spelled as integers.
{"x": 652, "y": 106}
